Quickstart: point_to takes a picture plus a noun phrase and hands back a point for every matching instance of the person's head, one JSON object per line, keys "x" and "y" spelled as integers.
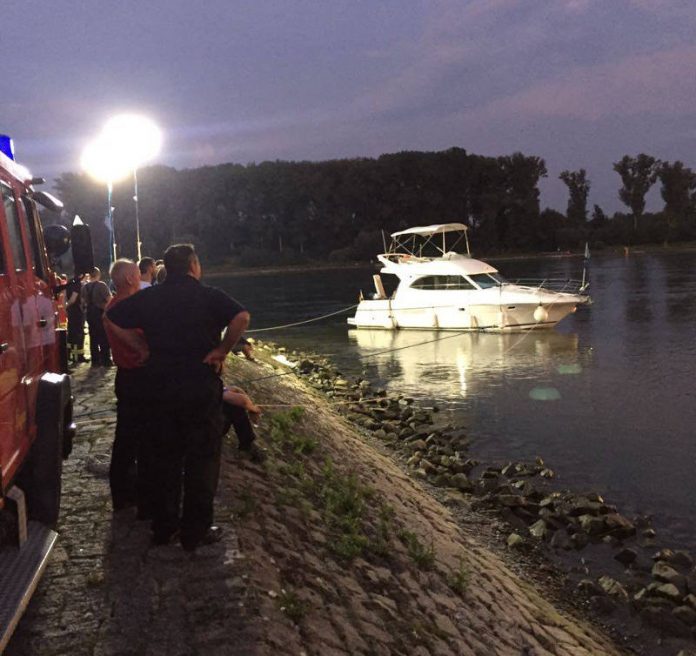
{"x": 161, "y": 274}
{"x": 125, "y": 275}
{"x": 147, "y": 269}
{"x": 95, "y": 274}
{"x": 181, "y": 260}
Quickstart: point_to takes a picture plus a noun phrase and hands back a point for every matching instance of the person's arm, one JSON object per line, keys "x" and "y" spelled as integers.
{"x": 74, "y": 298}
{"x": 233, "y": 332}
{"x": 134, "y": 339}
{"x": 240, "y": 399}
{"x": 83, "y": 298}
{"x": 104, "y": 296}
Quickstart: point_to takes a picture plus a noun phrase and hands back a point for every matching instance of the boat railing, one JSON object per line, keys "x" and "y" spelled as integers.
{"x": 565, "y": 285}
{"x": 403, "y": 258}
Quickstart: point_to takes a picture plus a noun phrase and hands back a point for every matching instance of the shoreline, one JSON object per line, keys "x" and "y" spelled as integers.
{"x": 403, "y": 550}
{"x": 231, "y": 270}
{"x": 611, "y": 567}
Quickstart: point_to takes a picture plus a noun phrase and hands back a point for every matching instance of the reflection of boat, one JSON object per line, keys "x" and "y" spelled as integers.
{"x": 442, "y": 289}
{"x": 433, "y": 363}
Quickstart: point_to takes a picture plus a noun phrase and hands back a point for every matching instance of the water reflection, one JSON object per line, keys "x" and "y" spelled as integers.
{"x": 439, "y": 365}
{"x": 610, "y": 406}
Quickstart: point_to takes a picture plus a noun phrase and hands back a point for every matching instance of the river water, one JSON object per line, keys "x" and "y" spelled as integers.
{"x": 606, "y": 398}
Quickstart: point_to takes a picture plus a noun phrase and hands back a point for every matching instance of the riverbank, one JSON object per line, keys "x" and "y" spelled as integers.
{"x": 330, "y": 547}
{"x": 574, "y": 546}
{"x": 230, "y": 269}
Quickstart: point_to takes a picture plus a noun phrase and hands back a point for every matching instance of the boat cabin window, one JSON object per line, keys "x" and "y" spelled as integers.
{"x": 486, "y": 280}
{"x": 442, "y": 283}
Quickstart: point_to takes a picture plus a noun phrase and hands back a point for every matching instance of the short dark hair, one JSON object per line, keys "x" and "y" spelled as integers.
{"x": 178, "y": 259}
{"x": 145, "y": 264}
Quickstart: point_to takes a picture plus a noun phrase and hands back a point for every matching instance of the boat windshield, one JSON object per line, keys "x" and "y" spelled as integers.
{"x": 486, "y": 280}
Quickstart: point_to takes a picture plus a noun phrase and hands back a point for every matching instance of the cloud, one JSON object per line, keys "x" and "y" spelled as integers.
{"x": 659, "y": 83}
{"x": 663, "y": 5}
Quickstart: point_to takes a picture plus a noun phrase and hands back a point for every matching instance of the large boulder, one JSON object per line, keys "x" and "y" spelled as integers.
{"x": 618, "y": 526}
{"x": 591, "y": 525}
{"x": 613, "y": 588}
{"x": 680, "y": 560}
{"x": 626, "y": 556}
{"x": 538, "y": 529}
{"x": 667, "y": 574}
{"x": 461, "y": 482}
{"x": 686, "y": 614}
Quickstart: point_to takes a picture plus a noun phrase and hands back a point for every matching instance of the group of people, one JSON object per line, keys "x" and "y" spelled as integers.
{"x": 86, "y": 298}
{"x": 172, "y": 408}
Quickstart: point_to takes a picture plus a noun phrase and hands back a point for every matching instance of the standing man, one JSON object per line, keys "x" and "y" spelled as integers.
{"x": 182, "y": 320}
{"x": 95, "y": 296}
{"x": 128, "y": 480}
{"x": 76, "y": 320}
{"x": 148, "y": 271}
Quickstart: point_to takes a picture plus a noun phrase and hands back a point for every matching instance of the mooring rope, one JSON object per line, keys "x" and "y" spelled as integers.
{"x": 302, "y": 323}
{"x": 109, "y": 412}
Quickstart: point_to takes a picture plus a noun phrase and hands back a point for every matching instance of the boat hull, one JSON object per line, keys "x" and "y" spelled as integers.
{"x": 391, "y": 315}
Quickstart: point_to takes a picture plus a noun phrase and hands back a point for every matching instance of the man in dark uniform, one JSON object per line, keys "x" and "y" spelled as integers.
{"x": 76, "y": 320}
{"x": 182, "y": 321}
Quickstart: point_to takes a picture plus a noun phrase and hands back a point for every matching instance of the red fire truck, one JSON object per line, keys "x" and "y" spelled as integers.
{"x": 36, "y": 425}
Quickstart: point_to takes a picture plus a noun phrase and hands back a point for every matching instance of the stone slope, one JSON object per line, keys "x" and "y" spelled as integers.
{"x": 413, "y": 581}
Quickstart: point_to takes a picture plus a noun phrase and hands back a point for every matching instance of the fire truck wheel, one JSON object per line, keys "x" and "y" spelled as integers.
{"x": 41, "y": 480}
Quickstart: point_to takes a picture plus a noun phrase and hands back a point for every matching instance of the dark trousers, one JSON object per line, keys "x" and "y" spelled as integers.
{"x": 238, "y": 417}
{"x": 99, "y": 349}
{"x": 130, "y": 478}
{"x": 76, "y": 328}
{"x": 185, "y": 442}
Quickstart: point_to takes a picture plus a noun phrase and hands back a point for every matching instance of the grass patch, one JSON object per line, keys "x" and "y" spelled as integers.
{"x": 458, "y": 580}
{"x": 343, "y": 500}
{"x": 95, "y": 578}
{"x": 246, "y": 504}
{"x": 340, "y": 498}
{"x": 423, "y": 556}
{"x": 380, "y": 542}
{"x": 283, "y": 434}
{"x": 290, "y": 604}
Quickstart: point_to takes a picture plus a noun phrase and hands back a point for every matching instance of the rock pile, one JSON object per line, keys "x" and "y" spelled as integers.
{"x": 522, "y": 494}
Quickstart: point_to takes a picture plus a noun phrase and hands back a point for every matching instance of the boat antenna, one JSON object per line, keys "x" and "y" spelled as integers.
{"x": 384, "y": 240}
{"x": 466, "y": 239}
{"x": 586, "y": 261}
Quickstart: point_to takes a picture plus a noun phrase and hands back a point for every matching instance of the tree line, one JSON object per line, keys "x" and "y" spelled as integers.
{"x": 291, "y": 212}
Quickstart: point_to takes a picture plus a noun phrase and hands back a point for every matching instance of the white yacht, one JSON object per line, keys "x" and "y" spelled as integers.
{"x": 439, "y": 288}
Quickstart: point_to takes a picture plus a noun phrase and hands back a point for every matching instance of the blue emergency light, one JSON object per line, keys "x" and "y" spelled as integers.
{"x": 6, "y": 146}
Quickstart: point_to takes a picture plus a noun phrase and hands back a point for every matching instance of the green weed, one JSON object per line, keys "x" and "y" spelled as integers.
{"x": 343, "y": 502}
{"x": 292, "y": 606}
{"x": 423, "y": 556}
{"x": 459, "y": 579}
{"x": 247, "y": 504}
{"x": 380, "y": 541}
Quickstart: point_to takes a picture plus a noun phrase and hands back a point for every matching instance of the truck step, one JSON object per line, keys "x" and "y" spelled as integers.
{"x": 20, "y": 571}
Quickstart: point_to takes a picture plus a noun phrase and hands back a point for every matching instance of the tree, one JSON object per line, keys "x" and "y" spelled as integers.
{"x": 678, "y": 183}
{"x": 521, "y": 179}
{"x": 578, "y": 189}
{"x": 638, "y": 174}
{"x": 598, "y": 215}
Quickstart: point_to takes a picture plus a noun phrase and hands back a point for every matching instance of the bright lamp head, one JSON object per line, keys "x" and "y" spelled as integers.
{"x": 105, "y": 162}
{"x": 138, "y": 136}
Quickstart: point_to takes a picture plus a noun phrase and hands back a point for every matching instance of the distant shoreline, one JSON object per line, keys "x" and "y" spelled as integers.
{"x": 225, "y": 270}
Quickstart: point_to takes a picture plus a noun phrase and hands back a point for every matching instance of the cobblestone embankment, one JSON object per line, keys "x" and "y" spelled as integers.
{"x": 329, "y": 548}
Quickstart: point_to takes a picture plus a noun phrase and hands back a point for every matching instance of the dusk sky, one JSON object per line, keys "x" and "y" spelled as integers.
{"x": 577, "y": 82}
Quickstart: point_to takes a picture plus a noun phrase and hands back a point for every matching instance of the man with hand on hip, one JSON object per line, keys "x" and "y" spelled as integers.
{"x": 182, "y": 321}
